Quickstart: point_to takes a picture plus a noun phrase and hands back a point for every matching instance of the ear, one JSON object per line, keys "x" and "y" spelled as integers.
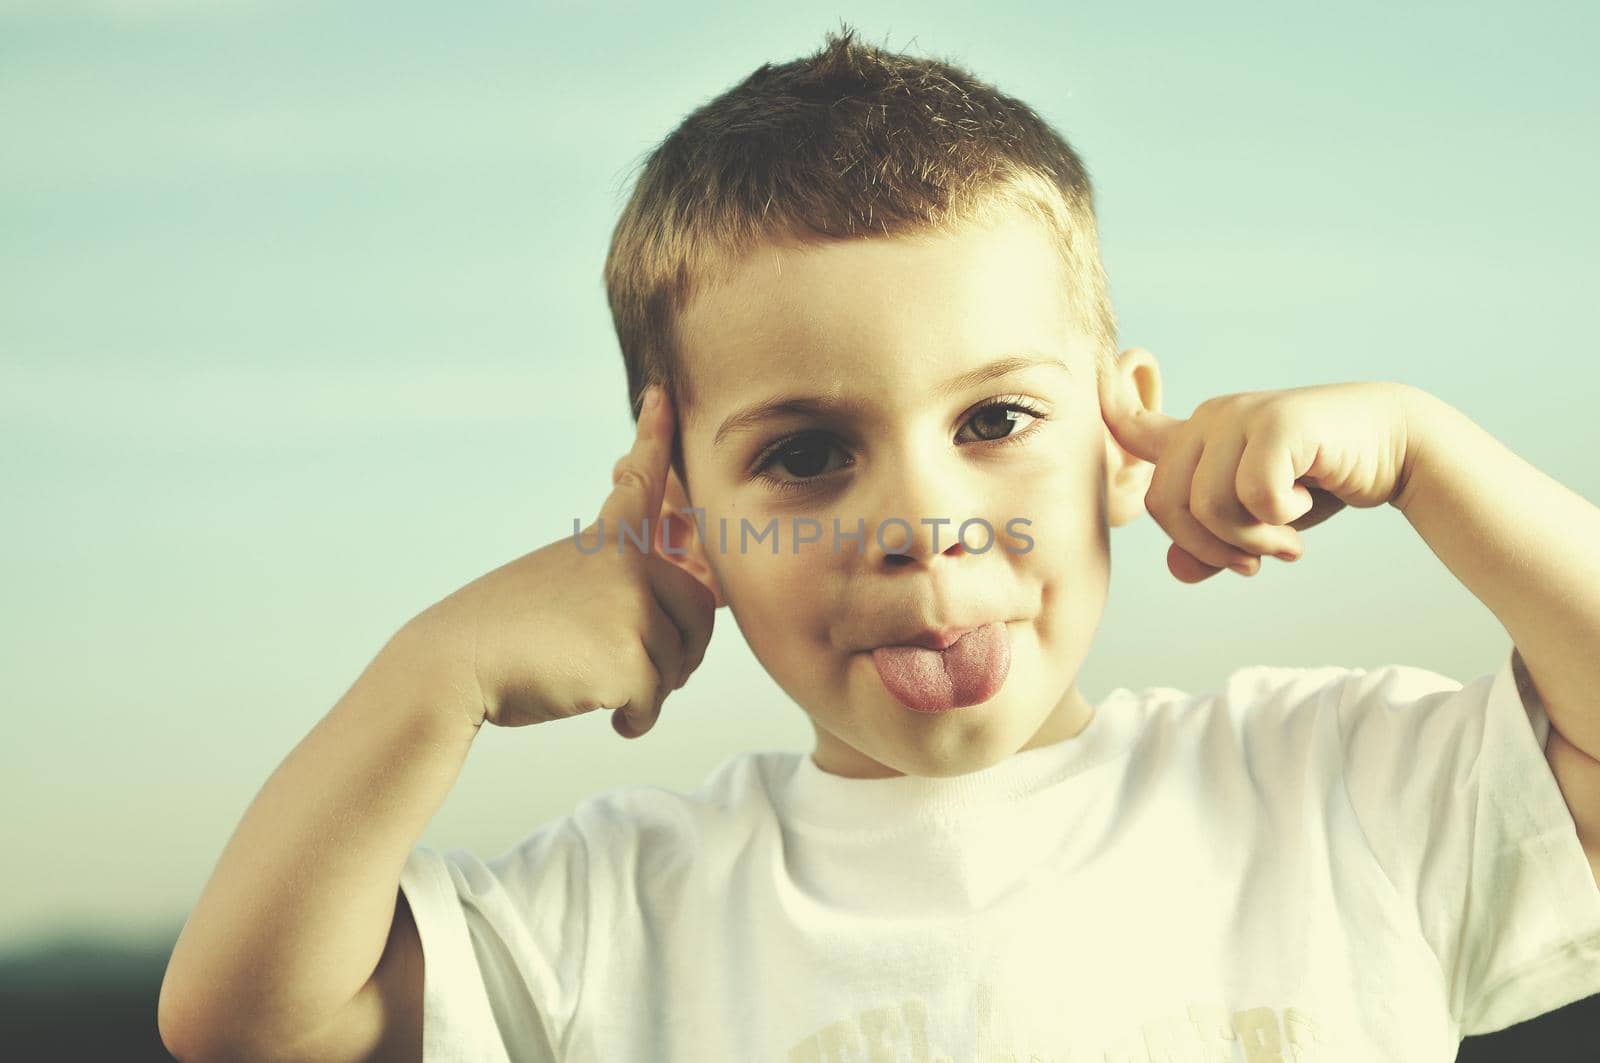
{"x": 678, "y": 529}
{"x": 1134, "y": 380}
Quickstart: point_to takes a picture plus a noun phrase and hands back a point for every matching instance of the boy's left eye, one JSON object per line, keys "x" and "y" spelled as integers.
{"x": 1000, "y": 425}
{"x": 800, "y": 453}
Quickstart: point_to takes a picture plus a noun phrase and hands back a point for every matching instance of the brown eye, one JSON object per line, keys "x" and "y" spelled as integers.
{"x": 997, "y": 420}
{"x": 994, "y": 422}
{"x": 802, "y": 457}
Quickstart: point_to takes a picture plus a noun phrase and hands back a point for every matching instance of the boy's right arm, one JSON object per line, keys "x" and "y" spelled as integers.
{"x": 301, "y": 946}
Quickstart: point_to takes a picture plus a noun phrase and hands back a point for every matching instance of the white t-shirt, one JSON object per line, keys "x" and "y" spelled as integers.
{"x": 1310, "y": 864}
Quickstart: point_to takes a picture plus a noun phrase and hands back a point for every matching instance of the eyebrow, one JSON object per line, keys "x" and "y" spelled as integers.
{"x": 808, "y": 405}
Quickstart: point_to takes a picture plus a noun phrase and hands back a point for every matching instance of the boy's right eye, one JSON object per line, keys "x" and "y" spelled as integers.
{"x": 804, "y": 456}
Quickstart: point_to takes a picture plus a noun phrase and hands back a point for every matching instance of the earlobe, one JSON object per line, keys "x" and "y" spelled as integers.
{"x": 1127, "y": 483}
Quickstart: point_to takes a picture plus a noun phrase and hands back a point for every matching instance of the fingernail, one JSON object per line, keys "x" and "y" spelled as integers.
{"x": 1243, "y": 569}
{"x": 1287, "y": 557}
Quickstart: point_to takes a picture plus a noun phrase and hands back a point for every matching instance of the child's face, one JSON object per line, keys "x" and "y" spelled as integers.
{"x": 874, "y": 328}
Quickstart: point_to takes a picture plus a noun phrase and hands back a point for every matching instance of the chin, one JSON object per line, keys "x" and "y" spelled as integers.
{"x": 973, "y": 749}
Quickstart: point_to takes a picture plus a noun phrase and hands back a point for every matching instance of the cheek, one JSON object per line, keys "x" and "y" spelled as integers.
{"x": 773, "y": 590}
{"x": 784, "y": 612}
{"x": 1064, "y": 525}
{"x": 1056, "y": 461}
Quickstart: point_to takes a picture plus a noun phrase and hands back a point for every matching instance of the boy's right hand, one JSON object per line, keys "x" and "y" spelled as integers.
{"x": 559, "y": 632}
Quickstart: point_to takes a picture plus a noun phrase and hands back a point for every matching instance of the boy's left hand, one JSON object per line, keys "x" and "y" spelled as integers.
{"x": 1245, "y": 472}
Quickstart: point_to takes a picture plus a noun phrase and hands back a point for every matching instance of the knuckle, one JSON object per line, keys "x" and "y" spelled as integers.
{"x": 625, "y": 474}
{"x": 589, "y": 703}
{"x": 1273, "y": 417}
{"x": 1207, "y": 508}
{"x": 1257, "y": 496}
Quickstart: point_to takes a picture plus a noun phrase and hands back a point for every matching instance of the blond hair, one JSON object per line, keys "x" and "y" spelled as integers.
{"x": 848, "y": 143}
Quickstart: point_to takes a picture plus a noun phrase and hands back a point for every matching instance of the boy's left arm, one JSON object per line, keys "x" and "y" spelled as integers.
{"x": 1529, "y": 548}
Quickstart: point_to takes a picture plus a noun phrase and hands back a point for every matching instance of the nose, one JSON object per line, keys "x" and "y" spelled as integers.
{"x": 920, "y": 514}
{"x": 909, "y": 551}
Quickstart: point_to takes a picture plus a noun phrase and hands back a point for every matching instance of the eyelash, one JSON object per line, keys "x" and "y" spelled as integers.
{"x": 1012, "y": 402}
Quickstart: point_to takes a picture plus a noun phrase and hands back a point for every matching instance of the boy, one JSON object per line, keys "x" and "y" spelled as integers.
{"x": 861, "y": 297}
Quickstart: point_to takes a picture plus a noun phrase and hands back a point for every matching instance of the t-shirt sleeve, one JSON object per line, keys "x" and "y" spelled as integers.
{"x": 1452, "y": 790}
{"x": 503, "y": 946}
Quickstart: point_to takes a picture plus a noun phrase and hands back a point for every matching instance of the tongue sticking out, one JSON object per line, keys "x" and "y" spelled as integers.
{"x": 972, "y": 670}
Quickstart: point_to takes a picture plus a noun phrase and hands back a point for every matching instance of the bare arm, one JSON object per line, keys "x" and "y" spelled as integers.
{"x": 280, "y": 957}
{"x": 300, "y": 947}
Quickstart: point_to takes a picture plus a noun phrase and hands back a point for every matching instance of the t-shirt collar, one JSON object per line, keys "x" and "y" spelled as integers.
{"x": 821, "y": 799}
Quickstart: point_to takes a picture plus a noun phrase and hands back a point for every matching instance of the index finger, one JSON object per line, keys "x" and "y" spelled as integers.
{"x": 639, "y": 478}
{"x": 1141, "y": 432}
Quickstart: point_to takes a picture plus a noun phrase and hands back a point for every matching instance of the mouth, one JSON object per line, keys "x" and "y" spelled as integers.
{"x": 934, "y": 638}
{"x": 951, "y": 668}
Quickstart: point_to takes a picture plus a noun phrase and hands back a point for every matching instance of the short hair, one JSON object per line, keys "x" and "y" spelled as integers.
{"x": 848, "y": 143}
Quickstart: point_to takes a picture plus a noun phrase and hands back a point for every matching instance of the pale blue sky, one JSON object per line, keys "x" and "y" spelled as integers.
{"x": 302, "y": 327}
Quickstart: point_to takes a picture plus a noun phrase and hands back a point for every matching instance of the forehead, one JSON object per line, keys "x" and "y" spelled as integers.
{"x": 873, "y": 315}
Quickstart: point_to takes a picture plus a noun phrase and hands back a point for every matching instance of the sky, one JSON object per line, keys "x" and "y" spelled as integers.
{"x": 302, "y": 327}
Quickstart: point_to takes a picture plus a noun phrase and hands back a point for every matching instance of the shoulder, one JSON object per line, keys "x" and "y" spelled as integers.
{"x": 1248, "y": 700}
{"x": 1281, "y": 694}
{"x": 735, "y": 800}
{"x": 1259, "y": 715}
